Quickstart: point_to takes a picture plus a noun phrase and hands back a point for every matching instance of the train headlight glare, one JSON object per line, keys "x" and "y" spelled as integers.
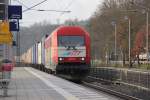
{"x": 82, "y": 59}
{"x": 60, "y": 59}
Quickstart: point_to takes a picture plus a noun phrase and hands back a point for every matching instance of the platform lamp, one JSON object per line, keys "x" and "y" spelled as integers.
{"x": 129, "y": 33}
{"x": 115, "y": 26}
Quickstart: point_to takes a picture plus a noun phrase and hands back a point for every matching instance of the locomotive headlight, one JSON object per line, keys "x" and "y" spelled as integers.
{"x": 60, "y": 59}
{"x": 82, "y": 59}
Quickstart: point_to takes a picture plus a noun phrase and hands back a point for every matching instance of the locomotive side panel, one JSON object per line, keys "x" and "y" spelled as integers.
{"x": 87, "y": 42}
{"x": 54, "y": 49}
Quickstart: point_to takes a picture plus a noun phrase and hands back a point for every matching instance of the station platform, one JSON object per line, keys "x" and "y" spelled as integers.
{"x": 30, "y": 84}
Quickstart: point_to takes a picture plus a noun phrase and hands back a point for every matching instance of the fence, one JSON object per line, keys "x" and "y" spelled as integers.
{"x": 131, "y": 81}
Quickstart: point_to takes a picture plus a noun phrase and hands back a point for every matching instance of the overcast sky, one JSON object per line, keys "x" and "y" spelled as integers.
{"x": 80, "y": 9}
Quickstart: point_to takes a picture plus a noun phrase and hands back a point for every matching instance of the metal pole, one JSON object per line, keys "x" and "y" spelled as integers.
{"x": 6, "y": 9}
{"x": 115, "y": 43}
{"x": 147, "y": 34}
{"x": 129, "y": 42}
{"x": 18, "y": 45}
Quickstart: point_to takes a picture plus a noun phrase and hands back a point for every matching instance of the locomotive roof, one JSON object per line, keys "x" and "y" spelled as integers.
{"x": 65, "y": 30}
{"x": 72, "y": 29}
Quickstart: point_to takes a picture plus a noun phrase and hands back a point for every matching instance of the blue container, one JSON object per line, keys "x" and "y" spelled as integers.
{"x": 34, "y": 54}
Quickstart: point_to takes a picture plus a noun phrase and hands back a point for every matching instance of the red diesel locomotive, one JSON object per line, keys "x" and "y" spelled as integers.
{"x": 67, "y": 52}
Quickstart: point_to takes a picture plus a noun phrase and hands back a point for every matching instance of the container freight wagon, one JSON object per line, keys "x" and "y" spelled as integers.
{"x": 29, "y": 56}
{"x": 39, "y": 53}
{"x": 34, "y": 54}
{"x": 68, "y": 52}
{"x": 23, "y": 57}
{"x": 43, "y": 51}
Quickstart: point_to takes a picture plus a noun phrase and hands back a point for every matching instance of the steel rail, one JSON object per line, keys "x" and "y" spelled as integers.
{"x": 109, "y": 91}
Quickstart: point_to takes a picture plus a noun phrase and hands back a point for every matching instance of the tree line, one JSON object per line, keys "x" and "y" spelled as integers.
{"x": 119, "y": 12}
{"x": 101, "y": 28}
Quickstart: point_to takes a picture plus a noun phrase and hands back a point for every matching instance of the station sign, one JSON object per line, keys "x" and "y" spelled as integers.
{"x": 14, "y": 26}
{"x": 6, "y": 38}
{"x": 14, "y": 12}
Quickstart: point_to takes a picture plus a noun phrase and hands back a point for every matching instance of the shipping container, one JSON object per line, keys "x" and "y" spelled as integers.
{"x": 39, "y": 54}
{"x": 34, "y": 54}
{"x": 43, "y": 51}
{"x": 29, "y": 56}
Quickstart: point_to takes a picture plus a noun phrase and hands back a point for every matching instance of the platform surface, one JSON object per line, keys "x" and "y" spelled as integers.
{"x": 30, "y": 84}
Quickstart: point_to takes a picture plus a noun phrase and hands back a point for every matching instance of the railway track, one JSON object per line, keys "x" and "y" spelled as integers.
{"x": 109, "y": 91}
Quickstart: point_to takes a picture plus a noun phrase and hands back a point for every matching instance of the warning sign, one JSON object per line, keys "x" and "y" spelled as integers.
{"x": 4, "y": 27}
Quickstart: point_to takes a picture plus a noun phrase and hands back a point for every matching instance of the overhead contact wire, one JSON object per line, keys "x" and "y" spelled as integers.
{"x": 67, "y": 7}
{"x": 34, "y": 6}
{"x": 41, "y": 9}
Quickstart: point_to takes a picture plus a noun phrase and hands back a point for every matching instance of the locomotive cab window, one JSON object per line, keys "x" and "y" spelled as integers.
{"x": 76, "y": 41}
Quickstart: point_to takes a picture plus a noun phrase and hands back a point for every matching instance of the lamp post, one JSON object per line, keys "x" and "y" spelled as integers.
{"x": 129, "y": 32}
{"x": 147, "y": 34}
{"x": 146, "y": 11}
{"x": 115, "y": 26}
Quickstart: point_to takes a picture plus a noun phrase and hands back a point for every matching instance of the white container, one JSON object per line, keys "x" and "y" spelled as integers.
{"x": 39, "y": 53}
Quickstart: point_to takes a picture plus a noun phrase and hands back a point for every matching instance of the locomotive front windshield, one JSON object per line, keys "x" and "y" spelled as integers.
{"x": 76, "y": 41}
